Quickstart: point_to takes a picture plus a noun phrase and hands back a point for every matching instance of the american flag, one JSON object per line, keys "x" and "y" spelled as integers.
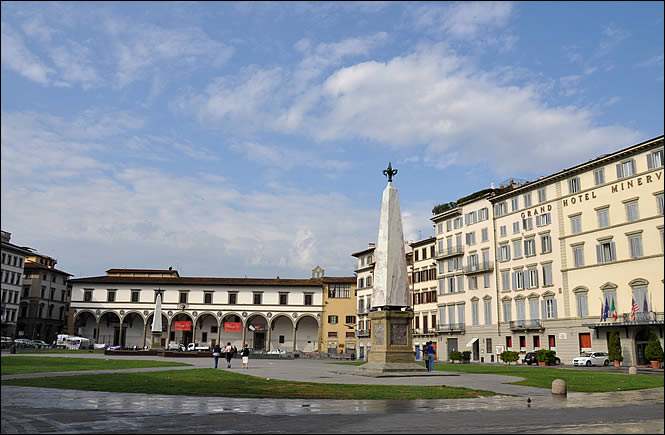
{"x": 634, "y": 309}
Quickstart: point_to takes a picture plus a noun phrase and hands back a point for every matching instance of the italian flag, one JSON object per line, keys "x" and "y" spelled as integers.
{"x": 614, "y": 311}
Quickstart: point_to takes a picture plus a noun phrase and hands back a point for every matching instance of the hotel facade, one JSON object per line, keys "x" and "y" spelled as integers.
{"x": 534, "y": 265}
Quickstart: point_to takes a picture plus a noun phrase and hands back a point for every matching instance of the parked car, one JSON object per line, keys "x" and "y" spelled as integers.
{"x": 39, "y": 343}
{"x": 591, "y": 359}
{"x": 276, "y": 352}
{"x": 176, "y": 346}
{"x": 23, "y": 342}
{"x": 530, "y": 358}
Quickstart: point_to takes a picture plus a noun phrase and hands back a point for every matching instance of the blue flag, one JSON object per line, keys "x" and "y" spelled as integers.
{"x": 606, "y": 311}
{"x": 646, "y": 307}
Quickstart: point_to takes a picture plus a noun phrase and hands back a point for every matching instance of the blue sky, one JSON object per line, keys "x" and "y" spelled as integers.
{"x": 233, "y": 139}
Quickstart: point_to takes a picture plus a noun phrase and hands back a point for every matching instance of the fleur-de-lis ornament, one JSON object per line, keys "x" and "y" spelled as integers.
{"x": 390, "y": 172}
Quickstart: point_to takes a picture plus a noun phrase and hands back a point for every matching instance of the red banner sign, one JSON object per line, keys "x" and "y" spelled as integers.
{"x": 232, "y": 326}
{"x": 183, "y": 326}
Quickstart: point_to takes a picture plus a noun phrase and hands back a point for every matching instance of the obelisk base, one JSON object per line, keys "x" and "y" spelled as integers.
{"x": 156, "y": 340}
{"x": 392, "y": 344}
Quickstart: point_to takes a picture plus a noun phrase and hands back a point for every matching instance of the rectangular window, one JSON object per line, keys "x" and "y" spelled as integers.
{"x": 660, "y": 203}
{"x": 486, "y": 280}
{"x": 183, "y": 297}
{"x": 632, "y": 213}
{"x": 546, "y": 243}
{"x": 522, "y": 342}
{"x": 626, "y": 169}
{"x": 110, "y": 296}
{"x": 536, "y": 341}
{"x": 599, "y": 176}
{"x": 442, "y": 315}
{"x": 457, "y": 223}
{"x": 332, "y": 334}
{"x": 518, "y": 280}
{"x": 527, "y": 224}
{"x": 507, "y": 315}
{"x": 483, "y": 214}
{"x": 635, "y": 243}
{"x": 521, "y": 312}
{"x": 488, "y": 311}
{"x": 603, "y": 217}
{"x": 332, "y": 320}
{"x": 530, "y": 247}
{"x": 505, "y": 280}
{"x": 582, "y": 307}
{"x": 283, "y": 298}
{"x": 547, "y": 274}
{"x": 350, "y": 320}
{"x": 574, "y": 185}
{"x": 308, "y": 299}
{"x": 485, "y": 237}
{"x": 606, "y": 252}
{"x": 578, "y": 255}
{"x": 514, "y": 204}
{"x": 439, "y": 228}
{"x": 257, "y": 298}
{"x": 340, "y": 290}
{"x": 500, "y": 209}
{"x": 527, "y": 200}
{"x": 135, "y": 295}
{"x": 544, "y": 219}
{"x": 207, "y": 298}
{"x": 502, "y": 231}
{"x": 585, "y": 341}
{"x": 542, "y": 195}
{"x": 474, "y": 313}
{"x": 516, "y": 227}
{"x": 549, "y": 308}
{"x": 473, "y": 282}
{"x": 655, "y": 159}
{"x": 451, "y": 314}
{"x": 233, "y": 298}
{"x": 532, "y": 274}
{"x": 460, "y": 283}
{"x": 503, "y": 253}
{"x": 415, "y": 255}
{"x": 451, "y": 284}
{"x": 533, "y": 309}
{"x": 517, "y": 248}
{"x": 552, "y": 341}
{"x": 576, "y": 224}
{"x": 449, "y": 225}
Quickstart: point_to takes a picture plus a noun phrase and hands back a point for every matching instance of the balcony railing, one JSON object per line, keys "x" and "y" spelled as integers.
{"x": 450, "y": 327}
{"x": 526, "y": 324}
{"x": 644, "y": 317}
{"x": 625, "y": 319}
{"x": 363, "y": 333}
{"x": 455, "y": 250}
{"x": 478, "y": 268}
{"x": 423, "y": 331}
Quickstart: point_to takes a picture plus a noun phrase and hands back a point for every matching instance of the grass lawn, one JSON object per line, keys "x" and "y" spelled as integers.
{"x": 15, "y": 365}
{"x": 587, "y": 381}
{"x": 50, "y": 351}
{"x": 220, "y": 383}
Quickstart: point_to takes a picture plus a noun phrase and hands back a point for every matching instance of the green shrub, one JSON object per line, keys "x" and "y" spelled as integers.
{"x": 455, "y": 355}
{"x": 466, "y": 355}
{"x": 509, "y": 356}
{"x": 653, "y": 351}
{"x": 614, "y": 347}
{"x": 545, "y": 355}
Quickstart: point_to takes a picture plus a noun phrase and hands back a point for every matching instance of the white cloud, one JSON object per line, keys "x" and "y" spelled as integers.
{"x": 286, "y": 158}
{"x": 16, "y": 56}
{"x": 464, "y": 20}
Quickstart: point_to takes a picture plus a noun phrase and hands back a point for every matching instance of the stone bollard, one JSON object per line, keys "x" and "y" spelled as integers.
{"x": 632, "y": 370}
{"x": 559, "y": 387}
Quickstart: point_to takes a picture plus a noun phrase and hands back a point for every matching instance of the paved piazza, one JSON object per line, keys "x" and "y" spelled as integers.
{"x": 30, "y": 410}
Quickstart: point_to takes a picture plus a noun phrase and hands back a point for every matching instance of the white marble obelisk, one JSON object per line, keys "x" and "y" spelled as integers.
{"x": 391, "y": 286}
{"x": 156, "y": 334}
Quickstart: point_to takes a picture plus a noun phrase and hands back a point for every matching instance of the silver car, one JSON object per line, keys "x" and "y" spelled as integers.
{"x": 592, "y": 359}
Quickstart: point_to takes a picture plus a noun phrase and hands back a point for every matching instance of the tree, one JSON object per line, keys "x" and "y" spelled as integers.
{"x": 440, "y": 208}
{"x": 614, "y": 347}
{"x": 653, "y": 351}
{"x": 509, "y": 356}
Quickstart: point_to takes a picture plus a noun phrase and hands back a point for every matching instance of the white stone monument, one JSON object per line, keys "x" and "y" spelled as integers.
{"x": 392, "y": 334}
{"x": 156, "y": 334}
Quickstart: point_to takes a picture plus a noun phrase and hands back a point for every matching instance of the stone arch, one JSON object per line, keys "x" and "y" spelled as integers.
{"x": 133, "y": 324}
{"x": 256, "y": 332}
{"x": 108, "y": 331}
{"x": 205, "y": 330}
{"x": 306, "y": 333}
{"x": 281, "y": 332}
{"x": 181, "y": 337}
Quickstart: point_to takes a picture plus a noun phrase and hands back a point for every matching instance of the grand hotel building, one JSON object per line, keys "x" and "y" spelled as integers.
{"x": 531, "y": 266}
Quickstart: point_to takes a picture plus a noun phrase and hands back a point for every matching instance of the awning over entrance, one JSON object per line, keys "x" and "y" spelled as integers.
{"x": 473, "y": 340}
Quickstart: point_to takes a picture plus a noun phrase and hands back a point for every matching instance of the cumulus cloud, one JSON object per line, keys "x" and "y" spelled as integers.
{"x": 16, "y": 56}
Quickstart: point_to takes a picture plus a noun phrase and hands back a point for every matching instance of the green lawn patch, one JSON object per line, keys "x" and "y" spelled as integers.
{"x": 49, "y": 351}
{"x": 15, "y": 365}
{"x": 221, "y": 383}
{"x": 587, "y": 381}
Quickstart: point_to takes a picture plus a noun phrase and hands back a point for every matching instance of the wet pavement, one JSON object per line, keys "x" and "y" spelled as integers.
{"x": 37, "y": 410}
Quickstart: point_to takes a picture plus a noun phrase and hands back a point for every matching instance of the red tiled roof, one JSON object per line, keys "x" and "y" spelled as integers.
{"x": 33, "y": 265}
{"x": 339, "y": 279}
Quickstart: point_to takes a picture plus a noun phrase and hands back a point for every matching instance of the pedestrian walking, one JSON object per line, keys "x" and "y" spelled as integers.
{"x": 216, "y": 353}
{"x": 229, "y": 354}
{"x": 245, "y": 357}
{"x": 431, "y": 354}
{"x": 425, "y": 355}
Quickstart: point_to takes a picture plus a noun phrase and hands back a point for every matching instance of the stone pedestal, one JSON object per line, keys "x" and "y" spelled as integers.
{"x": 392, "y": 344}
{"x": 156, "y": 340}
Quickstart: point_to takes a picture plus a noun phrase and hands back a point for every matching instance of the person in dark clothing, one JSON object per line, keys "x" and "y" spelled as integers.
{"x": 216, "y": 353}
{"x": 245, "y": 357}
{"x": 229, "y": 354}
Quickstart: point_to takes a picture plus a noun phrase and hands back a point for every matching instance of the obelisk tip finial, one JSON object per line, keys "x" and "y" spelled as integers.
{"x": 390, "y": 172}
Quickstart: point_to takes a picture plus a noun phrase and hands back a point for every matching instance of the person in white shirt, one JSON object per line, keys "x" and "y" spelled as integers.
{"x": 229, "y": 354}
